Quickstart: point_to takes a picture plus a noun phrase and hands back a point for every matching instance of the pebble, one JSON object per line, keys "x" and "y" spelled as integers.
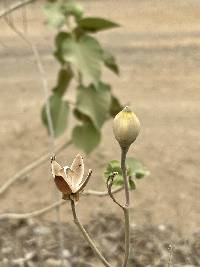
{"x": 66, "y": 253}
{"x": 42, "y": 230}
{"x": 161, "y": 227}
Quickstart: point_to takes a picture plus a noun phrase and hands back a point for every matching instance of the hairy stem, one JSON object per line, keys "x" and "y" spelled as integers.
{"x": 126, "y": 207}
{"x": 87, "y": 237}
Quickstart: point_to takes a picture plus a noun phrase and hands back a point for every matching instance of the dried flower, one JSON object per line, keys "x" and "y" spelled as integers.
{"x": 126, "y": 127}
{"x": 69, "y": 180}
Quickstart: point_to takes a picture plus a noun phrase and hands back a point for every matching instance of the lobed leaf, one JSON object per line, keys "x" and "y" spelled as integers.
{"x": 59, "y": 113}
{"x": 132, "y": 184}
{"x": 86, "y": 137}
{"x": 114, "y": 166}
{"x": 136, "y": 168}
{"x": 94, "y": 103}
{"x": 85, "y": 54}
{"x": 74, "y": 9}
{"x": 54, "y": 13}
{"x": 110, "y": 62}
{"x": 57, "y": 12}
{"x": 64, "y": 79}
{"x": 115, "y": 106}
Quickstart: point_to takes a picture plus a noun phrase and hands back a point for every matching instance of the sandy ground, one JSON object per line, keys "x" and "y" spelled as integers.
{"x": 158, "y": 49}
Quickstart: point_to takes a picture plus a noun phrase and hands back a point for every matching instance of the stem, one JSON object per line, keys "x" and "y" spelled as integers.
{"x": 19, "y": 216}
{"x": 36, "y": 163}
{"x": 49, "y": 120}
{"x": 87, "y": 237}
{"x": 126, "y": 207}
{"x": 14, "y": 7}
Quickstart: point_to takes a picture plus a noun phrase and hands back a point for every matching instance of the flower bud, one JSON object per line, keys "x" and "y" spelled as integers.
{"x": 126, "y": 127}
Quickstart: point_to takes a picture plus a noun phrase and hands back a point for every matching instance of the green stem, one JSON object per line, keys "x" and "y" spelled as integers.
{"x": 87, "y": 237}
{"x": 126, "y": 207}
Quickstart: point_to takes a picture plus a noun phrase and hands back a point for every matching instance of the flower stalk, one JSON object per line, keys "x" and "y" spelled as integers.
{"x": 126, "y": 206}
{"x": 86, "y": 236}
{"x": 126, "y": 128}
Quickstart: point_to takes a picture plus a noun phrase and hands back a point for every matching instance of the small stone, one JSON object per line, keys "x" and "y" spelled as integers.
{"x": 42, "y": 230}
{"x": 133, "y": 225}
{"x": 161, "y": 227}
{"x": 30, "y": 255}
{"x": 66, "y": 253}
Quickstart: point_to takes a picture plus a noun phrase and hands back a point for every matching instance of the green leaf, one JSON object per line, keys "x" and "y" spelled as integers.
{"x": 57, "y": 12}
{"x": 59, "y": 112}
{"x": 85, "y": 54}
{"x": 86, "y": 137}
{"x": 114, "y": 166}
{"x": 94, "y": 24}
{"x": 54, "y": 14}
{"x": 94, "y": 103}
{"x": 115, "y": 106}
{"x": 132, "y": 184}
{"x": 81, "y": 117}
{"x": 60, "y": 37}
{"x": 64, "y": 79}
{"x": 110, "y": 62}
{"x": 74, "y": 9}
{"x": 136, "y": 168}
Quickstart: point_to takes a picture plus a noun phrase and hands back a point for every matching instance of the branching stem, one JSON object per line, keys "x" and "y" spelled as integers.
{"x": 19, "y": 216}
{"x": 86, "y": 236}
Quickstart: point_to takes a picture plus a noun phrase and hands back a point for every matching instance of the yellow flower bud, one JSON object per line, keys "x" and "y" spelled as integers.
{"x": 126, "y": 127}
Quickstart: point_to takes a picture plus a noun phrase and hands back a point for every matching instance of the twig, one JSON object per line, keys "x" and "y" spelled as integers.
{"x": 52, "y": 206}
{"x": 87, "y": 237}
{"x": 31, "y": 214}
{"x": 30, "y": 167}
{"x": 15, "y": 7}
{"x": 49, "y": 123}
{"x": 44, "y": 82}
{"x": 126, "y": 206}
{"x": 109, "y": 183}
{"x": 102, "y": 193}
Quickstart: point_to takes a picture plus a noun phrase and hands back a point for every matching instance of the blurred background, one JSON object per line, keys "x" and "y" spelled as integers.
{"x": 158, "y": 49}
